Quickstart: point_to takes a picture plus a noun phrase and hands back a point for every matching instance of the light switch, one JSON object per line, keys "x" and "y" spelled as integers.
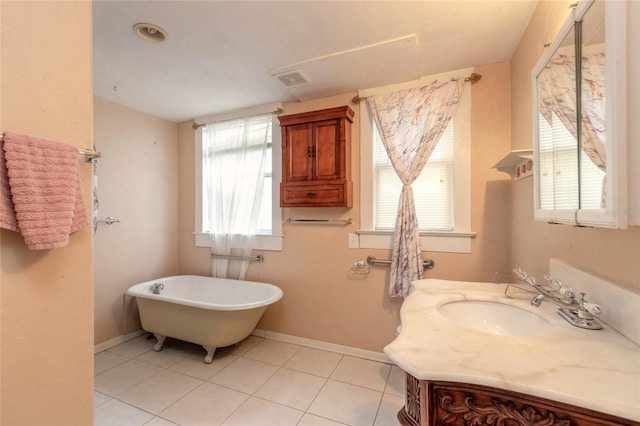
{"x": 353, "y": 240}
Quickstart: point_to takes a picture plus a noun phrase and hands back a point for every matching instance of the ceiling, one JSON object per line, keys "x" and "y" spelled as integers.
{"x": 224, "y": 55}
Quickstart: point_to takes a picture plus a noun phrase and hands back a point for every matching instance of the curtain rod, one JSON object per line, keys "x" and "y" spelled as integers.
{"x": 195, "y": 125}
{"x": 473, "y": 78}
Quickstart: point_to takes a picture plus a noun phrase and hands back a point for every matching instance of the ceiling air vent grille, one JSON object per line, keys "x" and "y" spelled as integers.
{"x": 292, "y": 78}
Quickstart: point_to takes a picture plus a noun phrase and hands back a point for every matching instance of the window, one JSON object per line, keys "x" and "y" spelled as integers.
{"x": 217, "y": 139}
{"x": 441, "y": 193}
{"x": 269, "y": 227}
{"x": 432, "y": 190}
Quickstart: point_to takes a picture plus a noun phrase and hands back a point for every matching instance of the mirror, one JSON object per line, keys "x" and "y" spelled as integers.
{"x": 557, "y": 128}
{"x": 593, "y": 158}
{"x": 578, "y": 137}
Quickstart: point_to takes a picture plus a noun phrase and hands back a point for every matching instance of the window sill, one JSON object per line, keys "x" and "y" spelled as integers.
{"x": 263, "y": 242}
{"x": 446, "y": 242}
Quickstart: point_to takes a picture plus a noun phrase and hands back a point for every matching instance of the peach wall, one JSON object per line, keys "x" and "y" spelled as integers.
{"x": 1, "y": 232}
{"x": 46, "y": 316}
{"x": 137, "y": 184}
{"x": 322, "y": 301}
{"x": 610, "y": 254}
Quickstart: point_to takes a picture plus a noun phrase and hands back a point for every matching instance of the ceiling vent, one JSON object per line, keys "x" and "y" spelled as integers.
{"x": 150, "y": 32}
{"x": 293, "y": 78}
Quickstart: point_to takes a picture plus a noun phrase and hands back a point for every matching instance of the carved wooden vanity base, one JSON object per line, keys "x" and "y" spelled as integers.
{"x": 430, "y": 403}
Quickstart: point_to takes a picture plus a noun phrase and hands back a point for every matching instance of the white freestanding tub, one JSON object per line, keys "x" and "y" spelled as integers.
{"x": 212, "y": 312}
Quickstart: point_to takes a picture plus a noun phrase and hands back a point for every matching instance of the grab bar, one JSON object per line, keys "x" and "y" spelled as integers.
{"x": 345, "y": 221}
{"x": 426, "y": 263}
{"x": 258, "y": 258}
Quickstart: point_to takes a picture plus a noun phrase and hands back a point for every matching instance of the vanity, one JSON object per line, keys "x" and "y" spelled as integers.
{"x": 473, "y": 356}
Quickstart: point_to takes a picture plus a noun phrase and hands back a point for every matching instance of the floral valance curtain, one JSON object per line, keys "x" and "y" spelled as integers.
{"x": 234, "y": 155}
{"x": 410, "y": 123}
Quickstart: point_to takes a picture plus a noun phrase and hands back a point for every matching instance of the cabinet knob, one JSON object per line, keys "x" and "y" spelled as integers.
{"x": 311, "y": 194}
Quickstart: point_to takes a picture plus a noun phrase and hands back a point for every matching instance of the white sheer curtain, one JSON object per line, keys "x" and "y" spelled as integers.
{"x": 234, "y": 154}
{"x": 410, "y": 123}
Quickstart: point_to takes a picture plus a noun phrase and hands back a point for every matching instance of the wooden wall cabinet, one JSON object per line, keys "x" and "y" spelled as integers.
{"x": 430, "y": 403}
{"x": 316, "y": 159}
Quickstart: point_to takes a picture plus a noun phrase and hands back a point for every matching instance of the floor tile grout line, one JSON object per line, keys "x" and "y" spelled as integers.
{"x": 322, "y": 417}
{"x": 161, "y": 369}
{"x": 253, "y": 394}
{"x": 305, "y": 411}
{"x": 188, "y": 393}
{"x": 383, "y": 391}
{"x": 305, "y": 372}
{"x": 277, "y": 403}
{"x": 127, "y": 389}
{"x": 239, "y": 407}
{"x": 111, "y": 368}
{"x": 158, "y": 417}
{"x": 168, "y": 368}
{"x": 381, "y": 398}
{"x": 337, "y": 364}
{"x": 134, "y": 406}
{"x": 277, "y": 365}
{"x": 316, "y": 397}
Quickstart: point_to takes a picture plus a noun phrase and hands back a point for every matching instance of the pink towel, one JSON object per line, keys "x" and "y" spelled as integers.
{"x": 42, "y": 180}
{"x": 7, "y": 211}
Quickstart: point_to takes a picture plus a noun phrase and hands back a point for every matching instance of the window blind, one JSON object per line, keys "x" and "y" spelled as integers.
{"x": 559, "y": 175}
{"x": 432, "y": 190}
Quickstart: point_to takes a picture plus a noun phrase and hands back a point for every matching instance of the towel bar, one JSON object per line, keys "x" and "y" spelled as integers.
{"x": 343, "y": 221}
{"x": 426, "y": 263}
{"x": 109, "y": 220}
{"x": 89, "y": 153}
{"x": 258, "y": 258}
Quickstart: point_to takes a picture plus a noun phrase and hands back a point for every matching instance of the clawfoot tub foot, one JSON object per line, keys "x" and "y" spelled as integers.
{"x": 158, "y": 346}
{"x": 210, "y": 351}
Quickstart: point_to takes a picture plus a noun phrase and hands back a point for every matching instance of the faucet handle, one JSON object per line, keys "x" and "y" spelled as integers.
{"x": 585, "y": 308}
{"x": 594, "y": 308}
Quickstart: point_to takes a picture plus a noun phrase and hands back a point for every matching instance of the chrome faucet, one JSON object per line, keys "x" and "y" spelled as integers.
{"x": 577, "y": 312}
{"x": 537, "y": 300}
{"x": 156, "y": 287}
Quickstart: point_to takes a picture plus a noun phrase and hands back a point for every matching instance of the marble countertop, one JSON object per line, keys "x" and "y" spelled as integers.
{"x": 598, "y": 370}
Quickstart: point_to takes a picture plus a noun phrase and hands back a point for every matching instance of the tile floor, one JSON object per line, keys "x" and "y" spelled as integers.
{"x": 259, "y": 382}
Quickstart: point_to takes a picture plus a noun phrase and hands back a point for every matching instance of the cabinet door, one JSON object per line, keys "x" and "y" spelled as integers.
{"x": 297, "y": 152}
{"x": 327, "y": 155}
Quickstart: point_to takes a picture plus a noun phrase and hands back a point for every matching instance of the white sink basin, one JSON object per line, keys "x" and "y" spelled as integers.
{"x": 495, "y": 318}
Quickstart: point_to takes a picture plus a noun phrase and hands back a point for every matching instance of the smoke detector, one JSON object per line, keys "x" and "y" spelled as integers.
{"x": 150, "y": 32}
{"x": 292, "y": 78}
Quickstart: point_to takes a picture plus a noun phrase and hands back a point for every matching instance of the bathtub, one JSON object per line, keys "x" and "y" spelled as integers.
{"x": 212, "y": 312}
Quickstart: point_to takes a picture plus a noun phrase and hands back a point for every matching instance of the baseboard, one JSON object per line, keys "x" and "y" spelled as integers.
{"x": 116, "y": 341}
{"x": 317, "y": 344}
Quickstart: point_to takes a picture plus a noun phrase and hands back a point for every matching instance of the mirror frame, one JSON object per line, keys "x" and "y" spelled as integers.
{"x": 614, "y": 215}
